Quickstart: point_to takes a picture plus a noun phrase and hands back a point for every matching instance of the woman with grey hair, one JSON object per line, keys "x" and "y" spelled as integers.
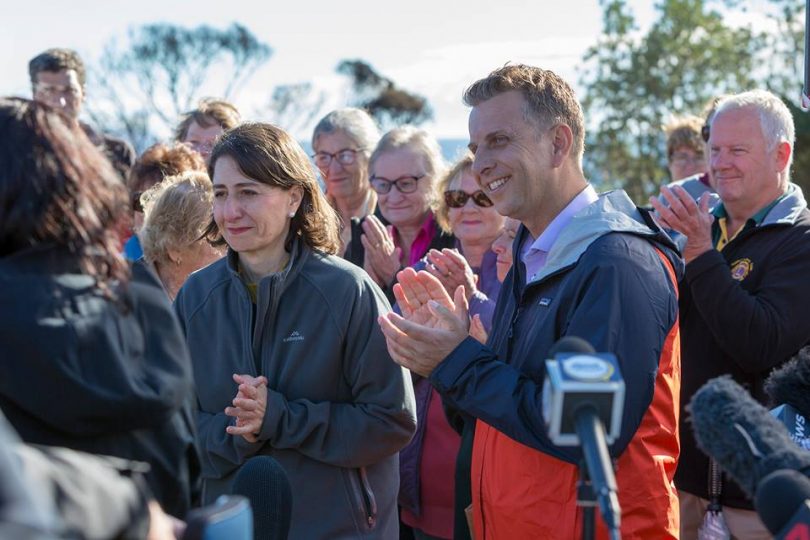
{"x": 403, "y": 170}
{"x": 178, "y": 210}
{"x": 343, "y": 141}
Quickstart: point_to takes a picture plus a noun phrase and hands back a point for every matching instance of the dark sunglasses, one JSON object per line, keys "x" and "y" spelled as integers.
{"x": 705, "y": 132}
{"x": 135, "y": 201}
{"x": 456, "y": 198}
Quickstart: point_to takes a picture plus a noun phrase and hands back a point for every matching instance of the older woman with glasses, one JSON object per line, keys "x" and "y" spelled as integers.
{"x": 403, "y": 170}
{"x": 466, "y": 212}
{"x": 428, "y": 462}
{"x": 343, "y": 141}
{"x": 201, "y": 127}
{"x": 288, "y": 358}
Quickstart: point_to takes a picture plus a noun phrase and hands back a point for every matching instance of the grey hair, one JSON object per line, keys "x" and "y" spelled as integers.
{"x": 355, "y": 123}
{"x": 775, "y": 119}
{"x": 176, "y": 214}
{"x": 418, "y": 140}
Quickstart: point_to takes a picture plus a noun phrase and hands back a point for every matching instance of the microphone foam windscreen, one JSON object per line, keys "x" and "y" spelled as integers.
{"x": 791, "y": 383}
{"x": 263, "y": 481}
{"x": 779, "y": 496}
{"x": 741, "y": 435}
{"x": 571, "y": 344}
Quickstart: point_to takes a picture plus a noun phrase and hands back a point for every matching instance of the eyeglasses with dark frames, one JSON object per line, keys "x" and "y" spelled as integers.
{"x": 457, "y": 198}
{"x": 347, "y": 156}
{"x": 682, "y": 158}
{"x": 404, "y": 184}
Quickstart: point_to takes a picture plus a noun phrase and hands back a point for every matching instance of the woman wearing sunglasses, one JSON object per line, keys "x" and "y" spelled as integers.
{"x": 427, "y": 464}
{"x": 402, "y": 171}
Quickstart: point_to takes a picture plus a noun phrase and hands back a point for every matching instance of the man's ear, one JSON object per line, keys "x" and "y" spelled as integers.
{"x": 782, "y": 155}
{"x": 562, "y": 141}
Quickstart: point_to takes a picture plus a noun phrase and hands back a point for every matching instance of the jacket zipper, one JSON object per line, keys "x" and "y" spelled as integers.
{"x": 369, "y": 504}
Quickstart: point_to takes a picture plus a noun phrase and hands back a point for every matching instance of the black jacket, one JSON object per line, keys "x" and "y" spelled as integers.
{"x": 82, "y": 372}
{"x": 743, "y": 312}
{"x": 356, "y": 252}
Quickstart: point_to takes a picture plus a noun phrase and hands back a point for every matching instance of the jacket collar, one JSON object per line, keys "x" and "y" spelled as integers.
{"x": 612, "y": 212}
{"x": 298, "y": 255}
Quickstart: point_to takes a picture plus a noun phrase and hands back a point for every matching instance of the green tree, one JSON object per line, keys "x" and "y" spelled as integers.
{"x": 141, "y": 86}
{"x": 633, "y": 83}
{"x": 295, "y": 106}
{"x": 785, "y": 77}
{"x": 389, "y": 104}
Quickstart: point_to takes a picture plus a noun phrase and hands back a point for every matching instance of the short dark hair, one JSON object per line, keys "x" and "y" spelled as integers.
{"x": 549, "y": 99}
{"x": 57, "y": 188}
{"x": 57, "y": 60}
{"x": 270, "y": 155}
{"x": 209, "y": 112}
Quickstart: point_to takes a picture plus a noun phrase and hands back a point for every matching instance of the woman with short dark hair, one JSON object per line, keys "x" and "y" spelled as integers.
{"x": 288, "y": 358}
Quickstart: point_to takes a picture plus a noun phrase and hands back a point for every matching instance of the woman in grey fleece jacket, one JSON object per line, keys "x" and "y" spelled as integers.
{"x": 288, "y": 358}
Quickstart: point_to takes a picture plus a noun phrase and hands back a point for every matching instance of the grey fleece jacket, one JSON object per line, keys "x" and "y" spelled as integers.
{"x": 338, "y": 408}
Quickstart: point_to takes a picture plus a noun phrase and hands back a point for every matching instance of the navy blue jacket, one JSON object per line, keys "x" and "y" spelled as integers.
{"x": 604, "y": 282}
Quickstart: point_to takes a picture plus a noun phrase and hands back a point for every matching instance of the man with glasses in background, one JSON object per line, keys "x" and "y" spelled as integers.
{"x": 58, "y": 79}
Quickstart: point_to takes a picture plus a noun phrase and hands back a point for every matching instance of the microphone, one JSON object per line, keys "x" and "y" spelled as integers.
{"x": 789, "y": 387}
{"x": 741, "y": 435}
{"x": 263, "y": 481}
{"x": 783, "y": 504}
{"x": 582, "y": 394}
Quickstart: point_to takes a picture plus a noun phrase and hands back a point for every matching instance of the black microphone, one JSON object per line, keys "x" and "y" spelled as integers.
{"x": 789, "y": 389}
{"x": 741, "y": 435}
{"x": 783, "y": 504}
{"x": 263, "y": 481}
{"x": 583, "y": 392}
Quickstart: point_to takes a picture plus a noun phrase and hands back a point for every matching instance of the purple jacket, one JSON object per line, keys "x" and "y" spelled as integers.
{"x": 483, "y": 304}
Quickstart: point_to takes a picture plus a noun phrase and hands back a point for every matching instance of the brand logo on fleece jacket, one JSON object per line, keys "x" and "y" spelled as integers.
{"x": 295, "y": 336}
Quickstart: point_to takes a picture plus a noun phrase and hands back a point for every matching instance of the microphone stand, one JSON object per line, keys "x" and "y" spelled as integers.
{"x": 597, "y": 465}
{"x": 586, "y": 499}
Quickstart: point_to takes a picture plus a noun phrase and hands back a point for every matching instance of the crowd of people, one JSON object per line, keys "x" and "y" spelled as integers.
{"x": 374, "y": 319}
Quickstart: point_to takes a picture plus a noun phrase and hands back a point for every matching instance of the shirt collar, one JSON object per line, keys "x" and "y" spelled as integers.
{"x": 546, "y": 240}
{"x": 720, "y": 211}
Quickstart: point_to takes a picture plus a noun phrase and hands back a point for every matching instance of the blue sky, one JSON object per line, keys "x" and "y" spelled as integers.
{"x": 435, "y": 48}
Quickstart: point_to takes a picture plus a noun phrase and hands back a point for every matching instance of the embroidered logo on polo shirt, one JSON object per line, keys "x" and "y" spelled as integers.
{"x": 741, "y": 268}
{"x": 295, "y": 336}
{"x": 544, "y": 302}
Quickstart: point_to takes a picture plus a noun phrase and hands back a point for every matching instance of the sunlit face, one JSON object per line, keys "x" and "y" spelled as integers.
{"x": 202, "y": 139}
{"x": 343, "y": 181}
{"x": 254, "y": 218}
{"x": 473, "y": 223}
{"x": 404, "y": 209}
{"x": 61, "y": 90}
{"x": 743, "y": 171}
{"x": 512, "y": 162}
{"x": 502, "y": 246}
{"x": 685, "y": 162}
